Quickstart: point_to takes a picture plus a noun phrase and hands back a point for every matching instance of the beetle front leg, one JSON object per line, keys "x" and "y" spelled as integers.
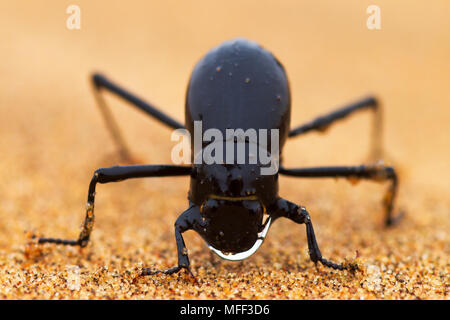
{"x": 186, "y": 221}
{"x": 299, "y": 215}
{"x": 183, "y": 259}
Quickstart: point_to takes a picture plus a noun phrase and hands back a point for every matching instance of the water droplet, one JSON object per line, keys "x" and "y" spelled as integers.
{"x": 249, "y": 252}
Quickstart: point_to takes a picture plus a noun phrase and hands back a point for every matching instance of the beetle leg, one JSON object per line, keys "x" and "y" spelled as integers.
{"x": 377, "y": 172}
{"x": 101, "y": 82}
{"x": 188, "y": 220}
{"x": 114, "y": 174}
{"x": 301, "y": 216}
{"x": 322, "y": 123}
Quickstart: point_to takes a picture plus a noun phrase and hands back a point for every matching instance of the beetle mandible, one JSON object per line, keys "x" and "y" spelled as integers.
{"x": 231, "y": 206}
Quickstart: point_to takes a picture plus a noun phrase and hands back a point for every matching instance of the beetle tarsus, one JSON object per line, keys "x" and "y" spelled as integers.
{"x": 392, "y": 221}
{"x": 150, "y": 272}
{"x": 57, "y": 241}
{"x": 331, "y": 264}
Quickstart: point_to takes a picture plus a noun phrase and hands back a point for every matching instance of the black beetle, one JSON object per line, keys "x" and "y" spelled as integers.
{"x": 237, "y": 85}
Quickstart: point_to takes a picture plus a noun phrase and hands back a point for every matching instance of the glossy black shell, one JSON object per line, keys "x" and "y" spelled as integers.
{"x": 239, "y": 85}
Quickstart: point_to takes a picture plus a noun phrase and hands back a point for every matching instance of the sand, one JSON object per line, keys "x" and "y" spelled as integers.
{"x": 52, "y": 138}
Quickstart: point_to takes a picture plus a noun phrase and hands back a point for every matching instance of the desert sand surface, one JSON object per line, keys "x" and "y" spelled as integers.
{"x": 52, "y": 139}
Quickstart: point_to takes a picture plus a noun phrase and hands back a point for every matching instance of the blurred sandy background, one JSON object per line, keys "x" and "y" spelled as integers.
{"x": 52, "y": 138}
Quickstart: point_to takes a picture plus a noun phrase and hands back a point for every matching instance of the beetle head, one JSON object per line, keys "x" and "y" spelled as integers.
{"x": 232, "y": 201}
{"x": 231, "y": 226}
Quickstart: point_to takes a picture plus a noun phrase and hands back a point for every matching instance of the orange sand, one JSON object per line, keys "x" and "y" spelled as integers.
{"x": 52, "y": 138}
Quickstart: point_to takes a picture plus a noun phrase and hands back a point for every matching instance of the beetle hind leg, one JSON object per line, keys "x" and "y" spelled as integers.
{"x": 322, "y": 123}
{"x": 100, "y": 83}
